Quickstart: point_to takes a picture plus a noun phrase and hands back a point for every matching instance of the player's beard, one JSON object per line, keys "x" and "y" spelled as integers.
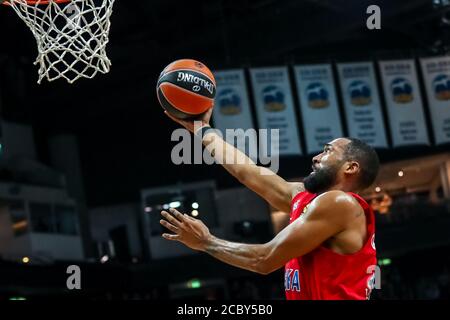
{"x": 321, "y": 179}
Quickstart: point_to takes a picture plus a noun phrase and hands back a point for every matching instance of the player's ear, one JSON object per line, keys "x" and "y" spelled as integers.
{"x": 352, "y": 167}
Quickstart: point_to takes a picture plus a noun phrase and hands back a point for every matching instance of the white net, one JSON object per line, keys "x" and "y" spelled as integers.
{"x": 71, "y": 36}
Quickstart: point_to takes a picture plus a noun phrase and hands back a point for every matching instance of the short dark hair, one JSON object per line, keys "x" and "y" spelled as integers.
{"x": 367, "y": 158}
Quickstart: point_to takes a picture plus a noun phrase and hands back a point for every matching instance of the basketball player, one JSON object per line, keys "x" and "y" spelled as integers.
{"x": 328, "y": 248}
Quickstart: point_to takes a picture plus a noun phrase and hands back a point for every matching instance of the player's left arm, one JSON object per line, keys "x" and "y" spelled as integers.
{"x": 328, "y": 215}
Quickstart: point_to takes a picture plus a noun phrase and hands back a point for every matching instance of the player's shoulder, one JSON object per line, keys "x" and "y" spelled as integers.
{"x": 337, "y": 200}
{"x": 337, "y": 195}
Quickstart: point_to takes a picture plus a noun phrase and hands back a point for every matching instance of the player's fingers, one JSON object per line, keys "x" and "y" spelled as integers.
{"x": 169, "y": 115}
{"x": 209, "y": 112}
{"x": 170, "y": 236}
{"x": 169, "y": 226}
{"x": 178, "y": 214}
{"x": 172, "y": 117}
{"x": 190, "y": 218}
{"x": 171, "y": 218}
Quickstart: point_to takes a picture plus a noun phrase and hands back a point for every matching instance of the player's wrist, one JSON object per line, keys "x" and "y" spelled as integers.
{"x": 201, "y": 128}
{"x": 208, "y": 244}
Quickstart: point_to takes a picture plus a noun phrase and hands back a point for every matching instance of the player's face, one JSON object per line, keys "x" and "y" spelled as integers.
{"x": 326, "y": 166}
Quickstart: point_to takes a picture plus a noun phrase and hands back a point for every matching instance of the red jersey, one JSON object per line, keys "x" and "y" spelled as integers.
{"x": 323, "y": 274}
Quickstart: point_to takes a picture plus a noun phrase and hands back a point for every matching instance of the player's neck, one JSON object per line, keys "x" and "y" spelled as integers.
{"x": 342, "y": 186}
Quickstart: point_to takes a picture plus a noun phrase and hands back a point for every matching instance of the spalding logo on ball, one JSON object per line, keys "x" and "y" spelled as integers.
{"x": 186, "y": 88}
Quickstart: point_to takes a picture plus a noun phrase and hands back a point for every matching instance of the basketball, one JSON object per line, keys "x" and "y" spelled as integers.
{"x": 186, "y": 88}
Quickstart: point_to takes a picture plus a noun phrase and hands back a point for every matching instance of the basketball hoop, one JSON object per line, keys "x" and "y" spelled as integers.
{"x": 71, "y": 36}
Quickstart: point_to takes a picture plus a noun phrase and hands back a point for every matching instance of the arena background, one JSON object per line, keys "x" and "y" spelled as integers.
{"x": 80, "y": 163}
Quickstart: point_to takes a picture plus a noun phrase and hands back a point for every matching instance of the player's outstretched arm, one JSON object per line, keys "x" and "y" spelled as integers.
{"x": 329, "y": 214}
{"x": 274, "y": 189}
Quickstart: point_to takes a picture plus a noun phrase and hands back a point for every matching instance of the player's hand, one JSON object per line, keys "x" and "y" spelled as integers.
{"x": 190, "y": 231}
{"x": 204, "y": 120}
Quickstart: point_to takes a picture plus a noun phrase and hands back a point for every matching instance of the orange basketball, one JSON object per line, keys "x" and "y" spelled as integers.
{"x": 186, "y": 88}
